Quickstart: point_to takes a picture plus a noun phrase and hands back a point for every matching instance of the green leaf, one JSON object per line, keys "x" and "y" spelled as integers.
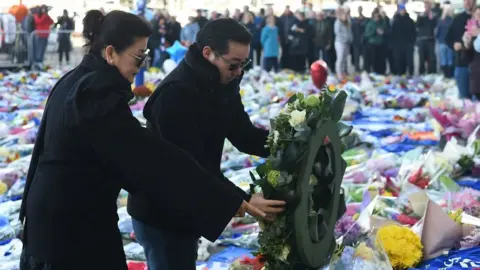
{"x": 272, "y": 125}
{"x": 253, "y": 177}
{"x": 292, "y": 99}
{"x": 338, "y": 104}
{"x": 448, "y": 183}
{"x": 343, "y": 129}
{"x": 262, "y": 169}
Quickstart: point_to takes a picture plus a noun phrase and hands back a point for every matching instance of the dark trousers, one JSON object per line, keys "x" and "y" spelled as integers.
{"x": 403, "y": 60}
{"x": 258, "y": 54}
{"x": 330, "y": 57}
{"x": 40, "y": 48}
{"x": 270, "y": 63}
{"x": 298, "y": 62}
{"x": 166, "y": 250}
{"x": 67, "y": 56}
{"x": 285, "y": 60}
{"x": 358, "y": 50}
{"x": 427, "y": 55}
{"x": 375, "y": 58}
{"x": 312, "y": 55}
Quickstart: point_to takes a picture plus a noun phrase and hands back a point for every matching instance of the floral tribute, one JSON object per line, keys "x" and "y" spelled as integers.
{"x": 305, "y": 169}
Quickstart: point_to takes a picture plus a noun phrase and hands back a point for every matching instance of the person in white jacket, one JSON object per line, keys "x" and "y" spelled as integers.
{"x": 343, "y": 39}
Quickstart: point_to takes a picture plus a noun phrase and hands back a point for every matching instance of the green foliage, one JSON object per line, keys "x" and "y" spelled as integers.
{"x": 288, "y": 143}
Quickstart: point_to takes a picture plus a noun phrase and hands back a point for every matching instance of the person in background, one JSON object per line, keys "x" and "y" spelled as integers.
{"x": 331, "y": 55}
{"x": 207, "y": 83}
{"x": 201, "y": 20}
{"x": 358, "y": 44}
{"x": 189, "y": 32}
{"x": 237, "y": 15}
{"x": 246, "y": 10}
{"x": 300, "y": 34}
{"x": 454, "y": 41}
{"x": 387, "y": 43}
{"x": 471, "y": 36}
{"x": 159, "y": 41}
{"x": 322, "y": 36}
{"x": 175, "y": 29}
{"x": 227, "y": 13}
{"x": 286, "y": 22}
{"x": 256, "y": 44}
{"x": 67, "y": 26}
{"x": 374, "y": 36}
{"x": 426, "y": 24}
{"x": 446, "y": 54}
{"x": 43, "y": 22}
{"x": 249, "y": 22}
{"x": 270, "y": 44}
{"x": 403, "y": 33}
{"x": 343, "y": 38}
{"x": 214, "y": 16}
{"x": 312, "y": 54}
{"x": 86, "y": 138}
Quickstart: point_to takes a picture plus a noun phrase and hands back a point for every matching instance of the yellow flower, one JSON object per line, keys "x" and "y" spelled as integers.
{"x": 332, "y": 88}
{"x": 364, "y": 252}
{"x": 402, "y": 245}
{"x": 355, "y": 217}
{"x": 456, "y": 215}
{"x": 387, "y": 194}
{"x": 242, "y": 92}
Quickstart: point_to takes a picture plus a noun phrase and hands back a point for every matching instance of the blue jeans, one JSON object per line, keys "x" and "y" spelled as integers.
{"x": 166, "y": 250}
{"x": 462, "y": 77}
{"x": 40, "y": 48}
{"x": 446, "y": 55}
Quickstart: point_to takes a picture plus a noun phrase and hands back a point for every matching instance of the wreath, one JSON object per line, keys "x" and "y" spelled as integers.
{"x": 305, "y": 169}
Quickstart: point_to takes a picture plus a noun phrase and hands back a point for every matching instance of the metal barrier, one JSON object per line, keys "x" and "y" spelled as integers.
{"x": 55, "y": 47}
{"x": 14, "y": 49}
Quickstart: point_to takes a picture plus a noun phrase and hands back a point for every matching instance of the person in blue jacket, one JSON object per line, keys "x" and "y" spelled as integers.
{"x": 446, "y": 54}
{"x": 271, "y": 44}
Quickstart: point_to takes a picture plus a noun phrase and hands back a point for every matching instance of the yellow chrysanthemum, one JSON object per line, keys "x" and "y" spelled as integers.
{"x": 332, "y": 88}
{"x": 402, "y": 245}
{"x": 364, "y": 252}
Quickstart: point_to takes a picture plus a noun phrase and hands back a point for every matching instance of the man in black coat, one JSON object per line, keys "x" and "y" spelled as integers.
{"x": 197, "y": 106}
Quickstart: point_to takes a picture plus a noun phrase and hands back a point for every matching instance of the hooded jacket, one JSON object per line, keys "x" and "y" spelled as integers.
{"x": 193, "y": 110}
{"x": 89, "y": 146}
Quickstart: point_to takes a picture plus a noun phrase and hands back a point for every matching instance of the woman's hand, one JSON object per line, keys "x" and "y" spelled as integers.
{"x": 250, "y": 209}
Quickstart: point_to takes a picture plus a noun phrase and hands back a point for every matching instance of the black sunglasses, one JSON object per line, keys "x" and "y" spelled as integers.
{"x": 236, "y": 66}
{"x": 141, "y": 59}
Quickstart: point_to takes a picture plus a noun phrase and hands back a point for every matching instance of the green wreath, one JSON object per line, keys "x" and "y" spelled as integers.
{"x": 305, "y": 169}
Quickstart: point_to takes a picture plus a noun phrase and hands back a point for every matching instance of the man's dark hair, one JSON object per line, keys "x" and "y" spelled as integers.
{"x": 216, "y": 35}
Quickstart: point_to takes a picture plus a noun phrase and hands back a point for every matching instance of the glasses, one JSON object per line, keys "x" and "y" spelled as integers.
{"x": 234, "y": 66}
{"x": 141, "y": 59}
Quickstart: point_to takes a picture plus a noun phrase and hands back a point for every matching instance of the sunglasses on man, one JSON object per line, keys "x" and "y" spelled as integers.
{"x": 141, "y": 59}
{"x": 235, "y": 66}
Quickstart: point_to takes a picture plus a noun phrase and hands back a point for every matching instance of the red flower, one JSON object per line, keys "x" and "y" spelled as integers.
{"x": 406, "y": 220}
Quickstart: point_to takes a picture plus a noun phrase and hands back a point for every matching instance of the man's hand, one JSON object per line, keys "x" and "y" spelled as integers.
{"x": 250, "y": 209}
{"x": 270, "y": 207}
{"x": 457, "y": 46}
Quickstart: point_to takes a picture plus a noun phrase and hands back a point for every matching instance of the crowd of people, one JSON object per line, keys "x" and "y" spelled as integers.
{"x": 373, "y": 43}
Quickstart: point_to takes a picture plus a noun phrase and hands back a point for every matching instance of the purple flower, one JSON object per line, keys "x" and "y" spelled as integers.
{"x": 348, "y": 228}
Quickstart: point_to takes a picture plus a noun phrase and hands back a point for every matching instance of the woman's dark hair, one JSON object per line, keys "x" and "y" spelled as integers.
{"x": 118, "y": 29}
{"x": 216, "y": 35}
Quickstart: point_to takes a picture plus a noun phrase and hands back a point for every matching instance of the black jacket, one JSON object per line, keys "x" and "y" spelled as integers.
{"x": 89, "y": 146}
{"x": 403, "y": 31}
{"x": 194, "y": 111}
{"x": 455, "y": 34}
{"x": 426, "y": 27}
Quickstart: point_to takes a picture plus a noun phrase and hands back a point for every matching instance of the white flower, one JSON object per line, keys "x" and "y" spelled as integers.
{"x": 285, "y": 253}
{"x": 276, "y": 134}
{"x": 297, "y": 117}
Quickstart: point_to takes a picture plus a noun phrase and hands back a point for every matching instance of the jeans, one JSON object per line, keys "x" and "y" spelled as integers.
{"x": 166, "y": 250}
{"x": 446, "y": 55}
{"x": 462, "y": 77}
{"x": 270, "y": 63}
{"x": 342, "y": 58}
{"x": 40, "y": 48}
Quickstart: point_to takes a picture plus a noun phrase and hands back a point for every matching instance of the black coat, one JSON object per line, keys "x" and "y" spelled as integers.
{"x": 191, "y": 109}
{"x": 89, "y": 146}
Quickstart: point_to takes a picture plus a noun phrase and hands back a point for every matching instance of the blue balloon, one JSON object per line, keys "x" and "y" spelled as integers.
{"x": 177, "y": 51}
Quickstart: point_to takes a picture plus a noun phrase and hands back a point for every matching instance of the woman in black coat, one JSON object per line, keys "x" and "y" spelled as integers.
{"x": 90, "y": 146}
